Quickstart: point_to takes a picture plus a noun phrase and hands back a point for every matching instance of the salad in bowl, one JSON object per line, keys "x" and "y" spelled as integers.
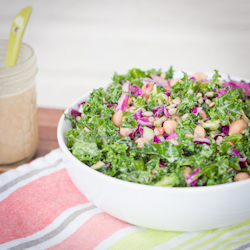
{"x": 162, "y": 150}
{"x": 150, "y": 128}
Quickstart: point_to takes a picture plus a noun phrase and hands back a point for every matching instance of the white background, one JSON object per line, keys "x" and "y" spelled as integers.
{"x": 79, "y": 44}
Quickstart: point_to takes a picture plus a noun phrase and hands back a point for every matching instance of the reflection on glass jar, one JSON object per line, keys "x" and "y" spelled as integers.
{"x": 18, "y": 111}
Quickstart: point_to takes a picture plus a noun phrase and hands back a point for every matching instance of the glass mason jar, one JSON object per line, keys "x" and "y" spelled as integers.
{"x": 18, "y": 111}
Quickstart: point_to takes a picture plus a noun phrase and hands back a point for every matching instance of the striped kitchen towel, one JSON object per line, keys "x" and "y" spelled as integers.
{"x": 40, "y": 208}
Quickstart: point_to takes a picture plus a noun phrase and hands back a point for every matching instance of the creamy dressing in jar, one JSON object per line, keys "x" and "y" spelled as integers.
{"x": 18, "y": 111}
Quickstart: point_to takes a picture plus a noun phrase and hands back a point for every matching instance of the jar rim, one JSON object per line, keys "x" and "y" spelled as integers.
{"x": 19, "y": 64}
{"x": 22, "y": 71}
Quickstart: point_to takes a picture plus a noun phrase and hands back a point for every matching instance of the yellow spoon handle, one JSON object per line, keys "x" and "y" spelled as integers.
{"x": 16, "y": 34}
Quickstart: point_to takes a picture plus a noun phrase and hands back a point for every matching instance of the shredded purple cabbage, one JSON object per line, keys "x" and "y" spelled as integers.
{"x": 191, "y": 179}
{"x": 216, "y": 135}
{"x": 135, "y": 90}
{"x": 126, "y": 86}
{"x": 221, "y": 92}
{"x": 236, "y": 152}
{"x": 225, "y": 130}
{"x": 74, "y": 112}
{"x": 79, "y": 104}
{"x": 243, "y": 162}
{"x": 201, "y": 140}
{"x": 140, "y": 130}
{"x": 203, "y": 120}
{"x": 160, "y": 110}
{"x": 156, "y": 139}
{"x": 137, "y": 115}
{"x": 162, "y": 164}
{"x": 239, "y": 85}
{"x": 156, "y": 108}
{"x": 196, "y": 110}
{"x": 144, "y": 121}
{"x": 173, "y": 136}
{"x": 131, "y": 132}
{"x": 165, "y": 112}
{"x": 157, "y": 80}
{"x": 162, "y": 81}
{"x": 122, "y": 102}
{"x": 111, "y": 105}
{"x": 147, "y": 79}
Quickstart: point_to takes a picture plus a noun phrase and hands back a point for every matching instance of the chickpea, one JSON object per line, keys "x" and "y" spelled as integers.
{"x": 140, "y": 142}
{"x": 176, "y": 117}
{"x": 132, "y": 109}
{"x": 174, "y": 81}
{"x": 236, "y": 127}
{"x": 124, "y": 131}
{"x": 117, "y": 118}
{"x": 199, "y": 76}
{"x": 203, "y": 114}
{"x": 188, "y": 170}
{"x": 161, "y": 130}
{"x": 200, "y": 131}
{"x": 169, "y": 126}
{"x": 241, "y": 176}
{"x": 147, "y": 88}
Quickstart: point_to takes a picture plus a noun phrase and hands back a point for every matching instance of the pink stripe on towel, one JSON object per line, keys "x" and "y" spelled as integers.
{"x": 92, "y": 233}
{"x": 37, "y": 204}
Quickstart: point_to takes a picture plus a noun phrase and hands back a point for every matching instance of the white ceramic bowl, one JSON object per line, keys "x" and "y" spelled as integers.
{"x": 164, "y": 208}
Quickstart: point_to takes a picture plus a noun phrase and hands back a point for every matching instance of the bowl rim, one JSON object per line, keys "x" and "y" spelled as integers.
{"x": 66, "y": 151}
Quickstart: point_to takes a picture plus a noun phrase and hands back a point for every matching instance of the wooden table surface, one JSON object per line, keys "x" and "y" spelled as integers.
{"x": 47, "y": 125}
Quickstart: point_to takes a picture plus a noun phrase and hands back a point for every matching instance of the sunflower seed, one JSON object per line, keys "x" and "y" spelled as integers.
{"x": 211, "y": 104}
{"x": 173, "y": 105}
{"x": 172, "y": 111}
{"x": 147, "y": 113}
{"x": 200, "y": 100}
{"x": 208, "y": 101}
{"x": 165, "y": 97}
{"x": 219, "y": 140}
{"x": 210, "y": 94}
{"x": 173, "y": 141}
{"x": 185, "y": 116}
{"x": 160, "y": 101}
{"x": 177, "y": 100}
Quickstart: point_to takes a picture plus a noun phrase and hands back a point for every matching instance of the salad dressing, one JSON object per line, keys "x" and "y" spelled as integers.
{"x": 18, "y": 112}
{"x": 18, "y": 126}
